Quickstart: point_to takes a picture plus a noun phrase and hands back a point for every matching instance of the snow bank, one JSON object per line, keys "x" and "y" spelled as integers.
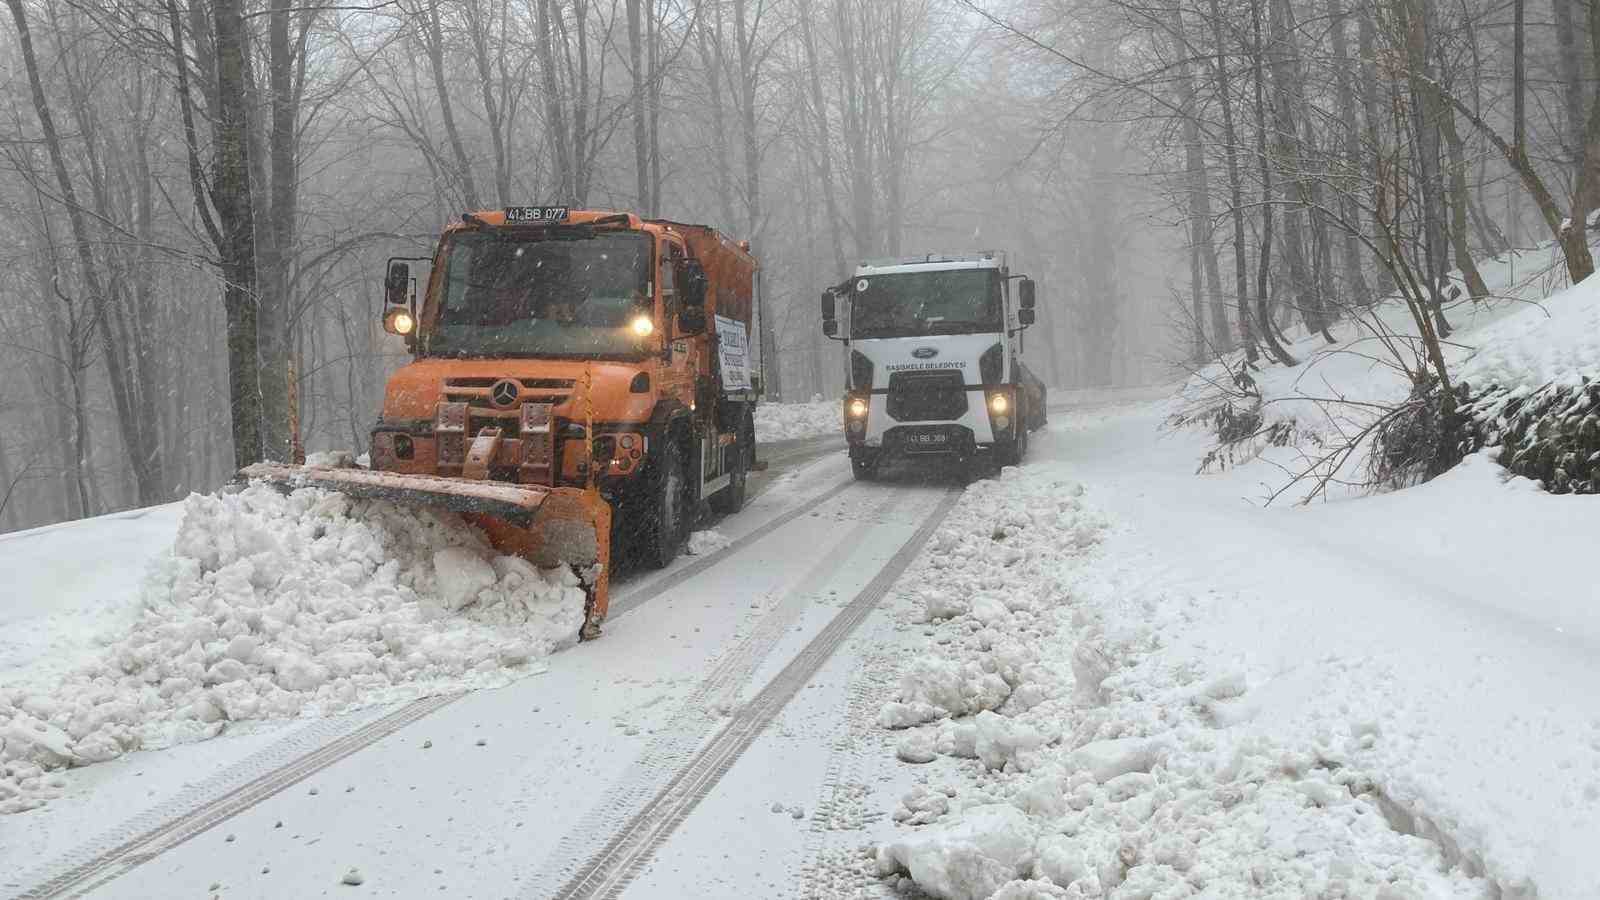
{"x": 1556, "y": 342}
{"x": 1093, "y": 757}
{"x": 1518, "y": 342}
{"x": 792, "y": 421}
{"x": 272, "y": 606}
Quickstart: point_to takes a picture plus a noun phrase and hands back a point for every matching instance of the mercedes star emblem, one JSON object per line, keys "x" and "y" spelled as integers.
{"x": 504, "y": 393}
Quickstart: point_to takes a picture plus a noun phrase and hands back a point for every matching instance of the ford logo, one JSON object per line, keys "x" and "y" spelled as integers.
{"x": 925, "y": 352}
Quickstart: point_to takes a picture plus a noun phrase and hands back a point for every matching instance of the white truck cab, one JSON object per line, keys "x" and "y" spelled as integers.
{"x": 934, "y": 350}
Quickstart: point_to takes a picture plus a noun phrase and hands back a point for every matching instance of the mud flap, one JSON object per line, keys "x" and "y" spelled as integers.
{"x": 547, "y": 526}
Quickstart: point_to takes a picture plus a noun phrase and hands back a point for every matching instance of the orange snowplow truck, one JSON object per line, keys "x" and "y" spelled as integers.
{"x": 581, "y": 380}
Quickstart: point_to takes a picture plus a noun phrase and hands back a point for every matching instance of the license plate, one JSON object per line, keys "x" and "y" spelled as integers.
{"x": 525, "y": 215}
{"x": 930, "y": 440}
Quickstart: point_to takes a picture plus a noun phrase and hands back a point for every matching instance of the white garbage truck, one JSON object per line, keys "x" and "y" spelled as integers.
{"x": 934, "y": 349}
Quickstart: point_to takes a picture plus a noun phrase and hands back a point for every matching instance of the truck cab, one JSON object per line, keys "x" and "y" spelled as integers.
{"x": 576, "y": 348}
{"x": 934, "y": 368}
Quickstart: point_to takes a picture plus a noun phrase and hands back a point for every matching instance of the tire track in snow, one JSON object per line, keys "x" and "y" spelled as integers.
{"x": 701, "y": 712}
{"x": 608, "y": 872}
{"x": 833, "y": 865}
{"x": 219, "y": 798}
{"x": 635, "y": 594}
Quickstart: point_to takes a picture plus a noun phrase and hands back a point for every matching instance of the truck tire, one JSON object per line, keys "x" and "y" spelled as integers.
{"x": 666, "y": 509}
{"x": 863, "y": 467}
{"x": 730, "y": 499}
{"x": 1012, "y": 452}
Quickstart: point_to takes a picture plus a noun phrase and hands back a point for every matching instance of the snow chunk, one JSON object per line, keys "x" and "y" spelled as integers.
{"x": 703, "y": 543}
{"x": 1105, "y": 760}
{"x": 969, "y": 859}
{"x": 1002, "y": 742}
{"x": 917, "y": 746}
{"x": 462, "y": 575}
{"x": 933, "y": 687}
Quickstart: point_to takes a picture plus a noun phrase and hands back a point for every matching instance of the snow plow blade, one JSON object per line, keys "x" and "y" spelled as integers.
{"x": 548, "y": 526}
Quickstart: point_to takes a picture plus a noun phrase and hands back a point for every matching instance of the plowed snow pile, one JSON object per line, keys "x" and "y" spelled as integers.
{"x": 1073, "y": 745}
{"x": 792, "y": 421}
{"x": 272, "y": 606}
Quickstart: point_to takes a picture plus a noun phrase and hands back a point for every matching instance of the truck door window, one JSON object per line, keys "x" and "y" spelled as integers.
{"x": 671, "y": 262}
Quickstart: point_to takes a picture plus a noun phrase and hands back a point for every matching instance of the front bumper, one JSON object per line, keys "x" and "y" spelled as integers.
{"x": 557, "y": 458}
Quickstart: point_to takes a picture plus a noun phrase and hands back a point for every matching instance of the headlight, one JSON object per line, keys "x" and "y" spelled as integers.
{"x": 857, "y": 407}
{"x": 999, "y": 403}
{"x": 399, "y": 321}
{"x": 642, "y": 326}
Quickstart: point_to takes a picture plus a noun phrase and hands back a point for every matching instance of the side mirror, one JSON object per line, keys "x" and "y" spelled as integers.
{"x": 694, "y": 287}
{"x": 828, "y": 312}
{"x": 830, "y": 327}
{"x": 1026, "y": 288}
{"x": 398, "y": 316}
{"x": 1025, "y": 316}
{"x": 397, "y": 286}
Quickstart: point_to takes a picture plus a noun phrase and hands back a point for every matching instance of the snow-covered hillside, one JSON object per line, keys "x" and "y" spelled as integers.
{"x": 1509, "y": 347}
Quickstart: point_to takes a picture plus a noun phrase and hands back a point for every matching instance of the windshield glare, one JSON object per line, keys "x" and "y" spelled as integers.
{"x": 541, "y": 296}
{"x": 917, "y": 303}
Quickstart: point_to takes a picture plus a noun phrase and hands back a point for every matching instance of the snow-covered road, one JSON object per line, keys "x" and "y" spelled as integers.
{"x": 1100, "y": 670}
{"x": 563, "y": 784}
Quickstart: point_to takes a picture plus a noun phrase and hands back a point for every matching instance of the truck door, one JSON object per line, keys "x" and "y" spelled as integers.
{"x": 678, "y": 375}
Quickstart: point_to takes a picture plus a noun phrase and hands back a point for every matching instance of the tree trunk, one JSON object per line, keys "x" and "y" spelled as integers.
{"x": 276, "y": 251}
{"x": 1426, "y": 113}
{"x": 1269, "y": 334}
{"x": 1205, "y": 251}
{"x": 1350, "y": 156}
{"x": 1476, "y": 287}
{"x": 824, "y": 140}
{"x": 231, "y": 195}
{"x": 555, "y": 112}
{"x": 712, "y": 60}
{"x": 1230, "y": 137}
{"x": 857, "y": 149}
{"x": 1569, "y": 58}
{"x": 494, "y": 111}
{"x": 1589, "y": 162}
{"x": 749, "y": 78}
{"x": 1371, "y": 117}
{"x": 641, "y": 142}
{"x": 653, "y": 102}
{"x": 1288, "y": 156}
{"x": 433, "y": 43}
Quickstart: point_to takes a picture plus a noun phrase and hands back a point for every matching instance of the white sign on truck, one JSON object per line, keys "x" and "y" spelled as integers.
{"x": 733, "y": 354}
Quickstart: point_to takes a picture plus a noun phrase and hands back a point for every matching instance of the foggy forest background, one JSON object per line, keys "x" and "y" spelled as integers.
{"x": 1184, "y": 179}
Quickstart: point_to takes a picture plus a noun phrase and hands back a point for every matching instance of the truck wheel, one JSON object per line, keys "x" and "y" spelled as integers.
{"x": 864, "y": 468}
{"x": 730, "y": 499}
{"x": 666, "y": 511}
{"x": 1012, "y": 452}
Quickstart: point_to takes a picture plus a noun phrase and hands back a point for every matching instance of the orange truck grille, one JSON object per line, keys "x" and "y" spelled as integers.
{"x": 498, "y": 402}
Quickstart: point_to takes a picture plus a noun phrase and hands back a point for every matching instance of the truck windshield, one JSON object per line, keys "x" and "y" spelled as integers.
{"x": 540, "y": 296}
{"x": 909, "y": 304}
